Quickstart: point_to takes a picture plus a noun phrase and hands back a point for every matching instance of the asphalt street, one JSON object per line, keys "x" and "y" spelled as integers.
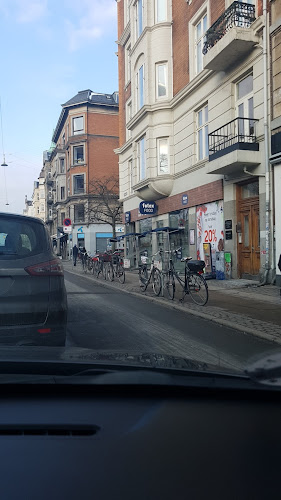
{"x": 108, "y": 320}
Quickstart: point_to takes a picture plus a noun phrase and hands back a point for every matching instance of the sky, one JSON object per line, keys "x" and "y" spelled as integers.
{"x": 50, "y": 49}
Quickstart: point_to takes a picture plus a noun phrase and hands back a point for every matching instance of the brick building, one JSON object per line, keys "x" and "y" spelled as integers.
{"x": 194, "y": 120}
{"x": 84, "y": 140}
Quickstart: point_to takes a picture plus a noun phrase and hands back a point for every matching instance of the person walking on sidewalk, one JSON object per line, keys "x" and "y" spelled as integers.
{"x": 75, "y": 254}
{"x": 83, "y": 254}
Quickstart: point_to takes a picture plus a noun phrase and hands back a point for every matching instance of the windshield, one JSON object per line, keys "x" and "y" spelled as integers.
{"x": 140, "y": 184}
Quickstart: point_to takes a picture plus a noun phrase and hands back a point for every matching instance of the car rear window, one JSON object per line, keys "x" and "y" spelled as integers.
{"x": 19, "y": 239}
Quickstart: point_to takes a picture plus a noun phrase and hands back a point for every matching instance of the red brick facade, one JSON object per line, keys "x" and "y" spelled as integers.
{"x": 197, "y": 196}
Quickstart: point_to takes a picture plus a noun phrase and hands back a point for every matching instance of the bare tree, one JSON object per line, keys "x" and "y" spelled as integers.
{"x": 103, "y": 202}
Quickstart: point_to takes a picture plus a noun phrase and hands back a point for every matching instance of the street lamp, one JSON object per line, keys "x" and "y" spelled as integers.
{"x": 4, "y": 164}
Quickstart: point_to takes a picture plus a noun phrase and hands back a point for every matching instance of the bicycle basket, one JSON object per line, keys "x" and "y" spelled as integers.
{"x": 196, "y": 265}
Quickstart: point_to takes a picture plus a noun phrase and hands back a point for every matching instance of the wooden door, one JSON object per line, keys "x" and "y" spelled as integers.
{"x": 249, "y": 240}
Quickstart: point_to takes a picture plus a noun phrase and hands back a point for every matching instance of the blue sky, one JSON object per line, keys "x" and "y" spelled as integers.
{"x": 51, "y": 49}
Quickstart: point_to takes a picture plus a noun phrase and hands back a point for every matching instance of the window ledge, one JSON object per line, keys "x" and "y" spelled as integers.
{"x": 79, "y": 164}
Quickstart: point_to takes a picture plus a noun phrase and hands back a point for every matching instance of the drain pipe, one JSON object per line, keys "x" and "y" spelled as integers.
{"x": 266, "y": 145}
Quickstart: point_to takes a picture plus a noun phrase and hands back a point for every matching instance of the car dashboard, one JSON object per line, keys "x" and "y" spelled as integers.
{"x": 138, "y": 442}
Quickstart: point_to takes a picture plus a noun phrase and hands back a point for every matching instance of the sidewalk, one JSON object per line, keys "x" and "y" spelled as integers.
{"x": 239, "y": 304}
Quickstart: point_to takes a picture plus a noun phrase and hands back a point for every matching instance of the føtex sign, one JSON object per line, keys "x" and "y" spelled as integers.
{"x": 148, "y": 207}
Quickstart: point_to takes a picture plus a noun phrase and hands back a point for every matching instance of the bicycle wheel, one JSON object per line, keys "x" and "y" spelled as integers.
{"x": 198, "y": 289}
{"x": 156, "y": 281}
{"x": 120, "y": 273}
{"x": 170, "y": 285}
{"x": 143, "y": 277}
{"x": 85, "y": 267}
{"x": 90, "y": 264}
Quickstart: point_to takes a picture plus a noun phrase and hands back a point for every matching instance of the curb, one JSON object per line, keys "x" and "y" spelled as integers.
{"x": 178, "y": 307}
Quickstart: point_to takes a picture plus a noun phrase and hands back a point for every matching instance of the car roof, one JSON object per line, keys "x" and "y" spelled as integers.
{"x": 22, "y": 217}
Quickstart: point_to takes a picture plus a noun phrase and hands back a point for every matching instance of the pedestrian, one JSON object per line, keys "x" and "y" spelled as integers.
{"x": 75, "y": 253}
{"x": 83, "y": 254}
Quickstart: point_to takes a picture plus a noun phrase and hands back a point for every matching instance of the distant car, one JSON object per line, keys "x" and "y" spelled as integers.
{"x": 33, "y": 301}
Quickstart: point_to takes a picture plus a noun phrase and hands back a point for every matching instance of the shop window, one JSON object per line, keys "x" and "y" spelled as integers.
{"x": 179, "y": 239}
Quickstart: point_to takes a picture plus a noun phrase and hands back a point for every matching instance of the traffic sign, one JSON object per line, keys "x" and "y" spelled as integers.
{"x": 67, "y": 222}
{"x": 67, "y": 229}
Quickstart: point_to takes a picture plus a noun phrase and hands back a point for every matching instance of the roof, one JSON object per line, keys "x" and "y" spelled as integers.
{"x": 92, "y": 97}
{"x": 84, "y": 97}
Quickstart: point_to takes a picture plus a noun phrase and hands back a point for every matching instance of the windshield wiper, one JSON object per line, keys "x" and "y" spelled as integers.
{"x": 266, "y": 370}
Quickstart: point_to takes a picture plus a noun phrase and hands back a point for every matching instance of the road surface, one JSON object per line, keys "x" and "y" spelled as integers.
{"x": 103, "y": 319}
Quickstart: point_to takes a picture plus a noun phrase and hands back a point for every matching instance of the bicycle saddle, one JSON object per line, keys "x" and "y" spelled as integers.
{"x": 184, "y": 259}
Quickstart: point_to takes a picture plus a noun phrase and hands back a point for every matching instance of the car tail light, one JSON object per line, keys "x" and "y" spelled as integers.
{"x": 50, "y": 268}
{"x": 44, "y": 330}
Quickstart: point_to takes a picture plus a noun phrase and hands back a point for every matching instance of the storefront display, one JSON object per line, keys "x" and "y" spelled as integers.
{"x": 210, "y": 228}
{"x": 179, "y": 239}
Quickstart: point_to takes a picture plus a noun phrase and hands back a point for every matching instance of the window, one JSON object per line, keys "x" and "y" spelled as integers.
{"x": 42, "y": 208}
{"x": 163, "y": 155}
{"x": 78, "y": 154}
{"x": 141, "y": 158}
{"x": 50, "y": 212}
{"x": 128, "y": 118}
{"x": 128, "y": 63}
{"x": 202, "y": 133}
{"x": 62, "y": 165}
{"x": 62, "y": 192}
{"x": 78, "y": 125}
{"x": 79, "y": 215}
{"x": 200, "y": 30}
{"x": 140, "y": 87}
{"x": 37, "y": 210}
{"x": 131, "y": 176}
{"x": 245, "y": 106}
{"x": 139, "y": 17}
{"x": 161, "y": 80}
{"x": 63, "y": 139}
{"x": 62, "y": 217}
{"x": 68, "y": 186}
{"x": 78, "y": 184}
{"x": 160, "y": 11}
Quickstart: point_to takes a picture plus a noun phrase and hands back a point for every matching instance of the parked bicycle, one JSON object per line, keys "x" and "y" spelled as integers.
{"x": 154, "y": 277}
{"x": 193, "y": 283}
{"x": 115, "y": 268}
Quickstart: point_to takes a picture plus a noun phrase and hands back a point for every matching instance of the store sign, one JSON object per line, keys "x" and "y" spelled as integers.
{"x": 184, "y": 199}
{"x": 67, "y": 229}
{"x": 127, "y": 217}
{"x": 210, "y": 228}
{"x": 148, "y": 207}
{"x": 127, "y": 263}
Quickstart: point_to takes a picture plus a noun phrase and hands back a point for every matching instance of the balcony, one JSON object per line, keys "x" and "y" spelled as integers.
{"x": 50, "y": 199}
{"x": 230, "y": 38}
{"x": 154, "y": 188}
{"x": 49, "y": 181}
{"x": 233, "y": 146}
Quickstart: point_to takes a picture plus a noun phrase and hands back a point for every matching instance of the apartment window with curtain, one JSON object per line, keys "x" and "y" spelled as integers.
{"x": 200, "y": 30}
{"x": 141, "y": 158}
{"x": 78, "y": 154}
{"x": 161, "y": 80}
{"x": 139, "y": 5}
{"x": 163, "y": 155}
{"x": 140, "y": 87}
{"x": 202, "y": 133}
{"x": 160, "y": 11}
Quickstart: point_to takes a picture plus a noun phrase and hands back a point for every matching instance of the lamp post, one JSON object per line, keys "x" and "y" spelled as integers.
{"x": 4, "y": 164}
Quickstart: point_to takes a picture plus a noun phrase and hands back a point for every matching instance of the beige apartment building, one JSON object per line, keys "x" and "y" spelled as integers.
{"x": 275, "y": 159}
{"x": 194, "y": 129}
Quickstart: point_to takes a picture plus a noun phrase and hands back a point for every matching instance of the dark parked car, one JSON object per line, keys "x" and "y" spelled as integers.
{"x": 33, "y": 303}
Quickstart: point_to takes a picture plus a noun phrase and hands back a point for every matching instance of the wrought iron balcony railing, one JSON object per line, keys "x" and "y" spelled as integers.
{"x": 239, "y": 133}
{"x": 238, "y": 14}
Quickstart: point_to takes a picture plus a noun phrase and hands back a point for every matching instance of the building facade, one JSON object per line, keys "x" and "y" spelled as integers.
{"x": 194, "y": 114}
{"x": 82, "y": 152}
{"x": 275, "y": 159}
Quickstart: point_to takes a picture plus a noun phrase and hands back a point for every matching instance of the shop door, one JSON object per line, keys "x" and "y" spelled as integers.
{"x": 249, "y": 243}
